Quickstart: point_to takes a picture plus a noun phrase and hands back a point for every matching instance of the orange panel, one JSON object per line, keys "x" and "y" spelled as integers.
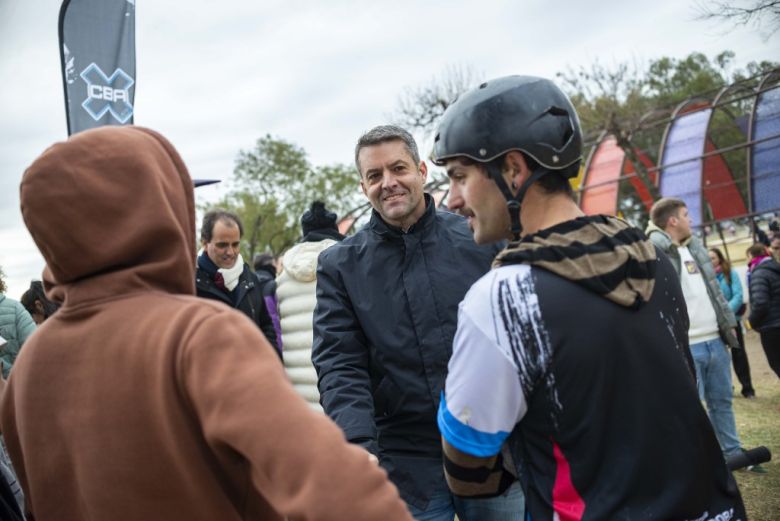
{"x": 599, "y": 195}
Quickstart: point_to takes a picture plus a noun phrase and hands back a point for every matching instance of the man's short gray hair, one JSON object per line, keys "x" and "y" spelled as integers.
{"x": 383, "y": 134}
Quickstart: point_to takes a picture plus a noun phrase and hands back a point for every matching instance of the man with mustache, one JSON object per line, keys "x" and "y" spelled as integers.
{"x": 570, "y": 366}
{"x": 387, "y": 301}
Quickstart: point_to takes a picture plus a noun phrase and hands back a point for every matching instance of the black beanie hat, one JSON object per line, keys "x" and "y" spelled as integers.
{"x": 317, "y": 222}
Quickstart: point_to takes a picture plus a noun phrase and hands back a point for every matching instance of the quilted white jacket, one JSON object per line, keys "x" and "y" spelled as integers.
{"x": 295, "y": 292}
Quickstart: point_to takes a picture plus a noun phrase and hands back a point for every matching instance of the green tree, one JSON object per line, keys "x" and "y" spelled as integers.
{"x": 274, "y": 183}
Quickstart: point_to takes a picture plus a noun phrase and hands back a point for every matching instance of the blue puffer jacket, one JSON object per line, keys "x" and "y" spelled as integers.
{"x": 16, "y": 325}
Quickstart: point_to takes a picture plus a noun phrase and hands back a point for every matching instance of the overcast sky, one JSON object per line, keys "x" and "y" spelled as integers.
{"x": 213, "y": 76}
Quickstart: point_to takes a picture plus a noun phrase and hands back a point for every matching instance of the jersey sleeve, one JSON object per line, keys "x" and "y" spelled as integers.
{"x": 483, "y": 398}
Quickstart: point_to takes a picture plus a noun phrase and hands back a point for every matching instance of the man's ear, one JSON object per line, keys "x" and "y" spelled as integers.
{"x": 423, "y": 171}
{"x": 515, "y": 170}
{"x": 39, "y": 307}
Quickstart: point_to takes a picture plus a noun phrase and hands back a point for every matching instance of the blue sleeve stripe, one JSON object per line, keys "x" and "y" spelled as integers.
{"x": 468, "y": 439}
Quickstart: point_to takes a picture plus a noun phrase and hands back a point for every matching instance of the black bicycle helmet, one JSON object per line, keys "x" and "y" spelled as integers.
{"x": 524, "y": 113}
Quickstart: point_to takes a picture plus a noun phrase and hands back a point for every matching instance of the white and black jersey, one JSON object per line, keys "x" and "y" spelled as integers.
{"x": 596, "y": 401}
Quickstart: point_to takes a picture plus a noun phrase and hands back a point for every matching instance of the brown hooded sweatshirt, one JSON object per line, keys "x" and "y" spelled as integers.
{"x": 139, "y": 401}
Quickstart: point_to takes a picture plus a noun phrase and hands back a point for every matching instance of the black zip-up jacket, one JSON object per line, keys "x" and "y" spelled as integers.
{"x": 765, "y": 296}
{"x": 386, "y": 315}
{"x": 248, "y": 299}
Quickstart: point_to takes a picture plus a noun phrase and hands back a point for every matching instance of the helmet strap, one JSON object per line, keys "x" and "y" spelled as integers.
{"x": 513, "y": 202}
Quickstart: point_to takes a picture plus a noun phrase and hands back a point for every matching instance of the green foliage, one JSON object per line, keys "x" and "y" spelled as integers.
{"x": 274, "y": 184}
{"x": 671, "y": 81}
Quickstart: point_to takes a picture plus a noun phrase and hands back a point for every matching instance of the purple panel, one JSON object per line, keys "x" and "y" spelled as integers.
{"x": 765, "y": 168}
{"x": 685, "y": 142}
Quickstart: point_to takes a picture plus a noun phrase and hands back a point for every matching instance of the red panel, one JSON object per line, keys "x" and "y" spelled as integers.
{"x": 345, "y": 224}
{"x": 719, "y": 189}
{"x": 604, "y": 171}
{"x": 636, "y": 182}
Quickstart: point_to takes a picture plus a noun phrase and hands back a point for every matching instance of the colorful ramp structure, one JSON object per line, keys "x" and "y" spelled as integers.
{"x": 691, "y": 166}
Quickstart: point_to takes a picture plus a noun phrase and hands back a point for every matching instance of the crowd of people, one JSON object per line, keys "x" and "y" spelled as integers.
{"x": 504, "y": 358}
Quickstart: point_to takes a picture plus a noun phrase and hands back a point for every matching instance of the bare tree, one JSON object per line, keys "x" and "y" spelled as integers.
{"x": 419, "y": 108}
{"x": 756, "y": 12}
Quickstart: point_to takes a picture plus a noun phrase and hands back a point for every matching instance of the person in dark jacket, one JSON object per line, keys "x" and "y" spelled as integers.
{"x": 765, "y": 302}
{"x": 37, "y": 305}
{"x": 572, "y": 355}
{"x": 222, "y": 275}
{"x": 387, "y": 301}
{"x": 265, "y": 270}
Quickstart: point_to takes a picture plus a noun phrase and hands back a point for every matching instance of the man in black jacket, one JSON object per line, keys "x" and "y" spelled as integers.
{"x": 571, "y": 356}
{"x": 387, "y": 301}
{"x": 222, "y": 275}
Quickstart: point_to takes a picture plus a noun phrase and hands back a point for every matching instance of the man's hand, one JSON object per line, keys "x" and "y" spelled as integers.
{"x": 372, "y": 458}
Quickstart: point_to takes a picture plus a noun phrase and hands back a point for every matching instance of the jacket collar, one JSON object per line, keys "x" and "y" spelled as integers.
{"x": 652, "y": 228}
{"x": 206, "y": 264}
{"x": 388, "y": 231}
{"x": 603, "y": 254}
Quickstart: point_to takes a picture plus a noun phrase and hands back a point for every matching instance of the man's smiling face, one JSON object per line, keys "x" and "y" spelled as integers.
{"x": 393, "y": 183}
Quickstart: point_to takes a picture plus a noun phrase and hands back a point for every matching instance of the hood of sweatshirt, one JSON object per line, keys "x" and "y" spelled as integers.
{"x": 112, "y": 211}
{"x": 604, "y": 254}
{"x": 300, "y": 261}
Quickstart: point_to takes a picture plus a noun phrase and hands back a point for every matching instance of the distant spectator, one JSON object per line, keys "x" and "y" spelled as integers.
{"x": 760, "y": 234}
{"x": 728, "y": 278}
{"x": 774, "y": 230}
{"x": 264, "y": 266}
{"x": 765, "y": 302}
{"x": 37, "y": 305}
{"x": 222, "y": 274}
{"x": 16, "y": 325}
{"x": 774, "y": 247}
{"x": 296, "y": 289}
{"x": 265, "y": 269}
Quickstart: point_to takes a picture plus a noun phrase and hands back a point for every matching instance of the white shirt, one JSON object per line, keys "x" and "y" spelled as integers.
{"x": 704, "y": 321}
{"x": 493, "y": 369}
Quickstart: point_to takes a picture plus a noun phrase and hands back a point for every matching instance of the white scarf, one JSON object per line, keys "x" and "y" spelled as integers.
{"x": 231, "y": 275}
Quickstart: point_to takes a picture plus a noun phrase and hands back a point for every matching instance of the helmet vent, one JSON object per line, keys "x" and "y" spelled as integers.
{"x": 483, "y": 85}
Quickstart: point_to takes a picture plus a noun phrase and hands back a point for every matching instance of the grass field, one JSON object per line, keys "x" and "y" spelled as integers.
{"x": 758, "y": 423}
